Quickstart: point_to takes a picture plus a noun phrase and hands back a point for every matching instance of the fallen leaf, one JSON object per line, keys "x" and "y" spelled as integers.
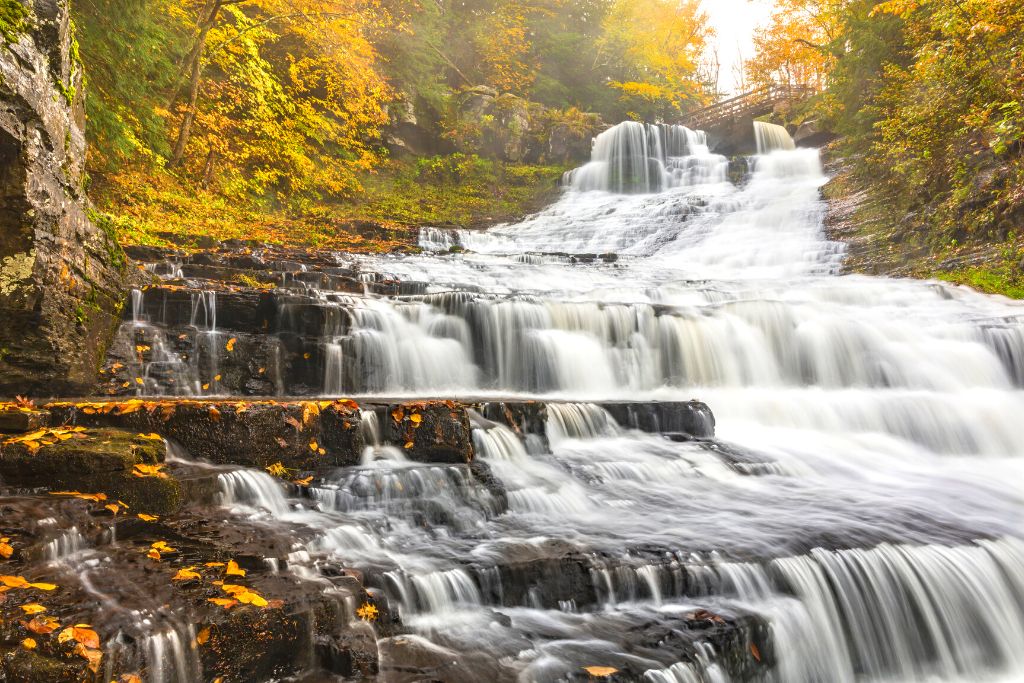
{"x": 113, "y": 508}
{"x": 216, "y": 378}
{"x": 129, "y": 678}
{"x": 32, "y": 608}
{"x": 397, "y": 414}
{"x": 203, "y": 636}
{"x": 409, "y": 444}
{"x": 233, "y": 569}
{"x": 755, "y": 652}
{"x": 214, "y": 564}
{"x": 138, "y": 380}
{"x": 226, "y": 603}
{"x": 186, "y": 574}
{"x": 152, "y": 437}
{"x": 304, "y": 482}
{"x": 214, "y": 413}
{"x": 6, "y": 549}
{"x": 29, "y": 643}
{"x": 367, "y": 612}
{"x": 147, "y": 518}
{"x": 92, "y": 656}
{"x": 230, "y": 346}
{"x": 313, "y": 445}
{"x": 42, "y": 624}
{"x": 600, "y": 671}
{"x": 416, "y": 419}
{"x": 143, "y": 470}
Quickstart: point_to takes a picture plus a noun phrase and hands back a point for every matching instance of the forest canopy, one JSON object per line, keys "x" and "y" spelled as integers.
{"x": 287, "y": 102}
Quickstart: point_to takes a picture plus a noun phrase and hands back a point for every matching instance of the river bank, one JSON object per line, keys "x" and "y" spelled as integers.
{"x": 882, "y": 238}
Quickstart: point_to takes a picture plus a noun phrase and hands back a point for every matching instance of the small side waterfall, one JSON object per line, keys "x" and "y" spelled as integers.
{"x": 771, "y": 137}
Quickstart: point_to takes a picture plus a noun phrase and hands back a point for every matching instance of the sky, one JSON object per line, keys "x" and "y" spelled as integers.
{"x": 734, "y": 22}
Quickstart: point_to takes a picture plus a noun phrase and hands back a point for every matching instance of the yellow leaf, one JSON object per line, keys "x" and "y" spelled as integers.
{"x": 186, "y": 574}
{"x": 33, "y": 608}
{"x": 6, "y": 550}
{"x": 152, "y": 437}
{"x": 147, "y": 518}
{"x": 313, "y": 446}
{"x": 44, "y": 586}
{"x": 409, "y": 444}
{"x": 14, "y": 581}
{"x": 230, "y": 346}
{"x": 153, "y": 554}
{"x": 162, "y": 547}
{"x": 214, "y": 564}
{"x": 233, "y": 569}
{"x": 138, "y": 380}
{"x": 205, "y": 387}
{"x": 367, "y": 612}
{"x": 600, "y": 671}
{"x": 203, "y": 636}
{"x": 304, "y": 482}
{"x": 416, "y": 419}
{"x": 113, "y": 508}
{"x": 142, "y": 470}
{"x": 216, "y": 378}
{"x": 29, "y": 643}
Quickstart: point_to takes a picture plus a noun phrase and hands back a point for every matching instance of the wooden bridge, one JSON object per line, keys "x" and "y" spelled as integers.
{"x": 732, "y": 117}
{"x": 749, "y": 105}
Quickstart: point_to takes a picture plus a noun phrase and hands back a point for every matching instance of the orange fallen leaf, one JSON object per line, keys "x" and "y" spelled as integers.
{"x": 230, "y": 346}
{"x": 233, "y": 569}
{"x": 313, "y": 446}
{"x": 416, "y": 419}
{"x": 755, "y": 652}
{"x": 29, "y": 643}
{"x": 409, "y": 444}
{"x": 214, "y": 564}
{"x": 600, "y": 671}
{"x": 147, "y": 518}
{"x": 6, "y": 549}
{"x": 42, "y": 624}
{"x": 32, "y": 608}
{"x": 304, "y": 482}
{"x": 226, "y": 603}
{"x": 203, "y": 636}
{"x": 95, "y": 497}
{"x": 214, "y": 413}
{"x": 186, "y": 574}
{"x": 92, "y": 656}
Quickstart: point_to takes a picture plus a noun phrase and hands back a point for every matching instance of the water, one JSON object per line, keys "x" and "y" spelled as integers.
{"x": 858, "y": 517}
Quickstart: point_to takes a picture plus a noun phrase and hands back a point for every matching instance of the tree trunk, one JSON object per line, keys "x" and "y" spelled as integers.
{"x": 195, "y": 64}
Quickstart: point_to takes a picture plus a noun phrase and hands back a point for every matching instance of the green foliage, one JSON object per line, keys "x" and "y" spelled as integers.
{"x": 457, "y": 189}
{"x": 14, "y": 18}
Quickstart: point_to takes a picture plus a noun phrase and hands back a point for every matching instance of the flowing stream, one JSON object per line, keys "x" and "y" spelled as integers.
{"x": 857, "y": 518}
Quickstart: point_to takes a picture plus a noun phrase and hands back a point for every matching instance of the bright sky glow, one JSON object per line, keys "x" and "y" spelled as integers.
{"x": 734, "y": 22}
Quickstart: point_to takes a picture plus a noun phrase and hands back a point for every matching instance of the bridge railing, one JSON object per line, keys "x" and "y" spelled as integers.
{"x": 748, "y": 104}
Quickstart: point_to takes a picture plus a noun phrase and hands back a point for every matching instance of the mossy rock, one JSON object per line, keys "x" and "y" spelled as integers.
{"x": 28, "y": 666}
{"x": 96, "y": 461}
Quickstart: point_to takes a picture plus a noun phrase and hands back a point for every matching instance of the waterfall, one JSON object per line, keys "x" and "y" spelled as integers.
{"x": 855, "y": 518}
{"x": 771, "y": 137}
{"x": 637, "y": 157}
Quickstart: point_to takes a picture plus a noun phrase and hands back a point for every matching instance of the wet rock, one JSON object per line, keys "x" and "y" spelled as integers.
{"x": 15, "y": 419}
{"x": 693, "y": 418}
{"x": 62, "y": 276}
{"x": 432, "y": 431}
{"x": 301, "y": 435}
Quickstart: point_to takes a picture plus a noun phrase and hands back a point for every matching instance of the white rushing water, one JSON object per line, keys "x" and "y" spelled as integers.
{"x": 859, "y": 517}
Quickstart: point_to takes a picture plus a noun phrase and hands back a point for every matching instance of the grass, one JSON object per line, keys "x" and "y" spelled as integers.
{"x": 997, "y": 280}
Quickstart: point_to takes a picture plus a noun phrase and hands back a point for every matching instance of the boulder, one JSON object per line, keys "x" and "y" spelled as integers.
{"x": 62, "y": 275}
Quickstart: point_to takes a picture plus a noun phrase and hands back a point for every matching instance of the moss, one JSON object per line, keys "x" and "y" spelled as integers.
{"x": 992, "y": 280}
{"x": 14, "y": 18}
{"x": 108, "y": 224}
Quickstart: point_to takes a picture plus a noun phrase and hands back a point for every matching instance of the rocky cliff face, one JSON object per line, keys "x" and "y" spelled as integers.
{"x": 61, "y": 276}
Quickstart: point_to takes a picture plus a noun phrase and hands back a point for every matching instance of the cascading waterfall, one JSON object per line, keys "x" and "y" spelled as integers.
{"x": 857, "y": 518}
